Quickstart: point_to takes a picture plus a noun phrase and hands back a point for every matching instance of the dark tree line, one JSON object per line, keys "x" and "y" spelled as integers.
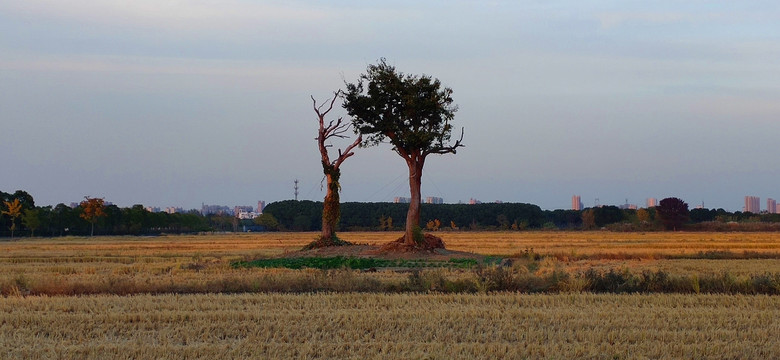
{"x": 306, "y": 216}
{"x": 61, "y": 220}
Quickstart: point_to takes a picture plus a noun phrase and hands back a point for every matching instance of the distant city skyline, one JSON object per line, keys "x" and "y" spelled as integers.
{"x": 178, "y": 104}
{"x": 749, "y": 202}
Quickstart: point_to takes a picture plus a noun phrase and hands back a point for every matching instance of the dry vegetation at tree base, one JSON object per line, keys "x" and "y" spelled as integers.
{"x": 408, "y": 326}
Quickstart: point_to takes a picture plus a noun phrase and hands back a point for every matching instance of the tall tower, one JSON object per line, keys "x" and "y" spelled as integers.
{"x": 651, "y": 202}
{"x": 296, "y": 189}
{"x": 576, "y": 202}
{"x": 753, "y": 204}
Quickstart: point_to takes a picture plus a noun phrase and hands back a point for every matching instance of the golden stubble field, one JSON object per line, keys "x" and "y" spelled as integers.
{"x": 201, "y": 263}
{"x": 201, "y": 319}
{"x": 391, "y": 326}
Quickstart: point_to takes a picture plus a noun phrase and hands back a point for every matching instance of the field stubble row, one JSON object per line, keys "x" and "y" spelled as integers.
{"x": 391, "y": 326}
{"x": 486, "y": 243}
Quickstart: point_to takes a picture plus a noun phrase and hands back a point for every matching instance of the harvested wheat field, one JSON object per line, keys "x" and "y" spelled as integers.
{"x": 566, "y": 243}
{"x": 202, "y": 263}
{"x": 407, "y": 326}
{"x": 183, "y": 297}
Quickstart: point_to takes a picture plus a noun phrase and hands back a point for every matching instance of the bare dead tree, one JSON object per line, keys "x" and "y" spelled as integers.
{"x": 338, "y": 129}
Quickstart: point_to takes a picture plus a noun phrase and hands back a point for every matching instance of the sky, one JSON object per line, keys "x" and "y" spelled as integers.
{"x": 180, "y": 103}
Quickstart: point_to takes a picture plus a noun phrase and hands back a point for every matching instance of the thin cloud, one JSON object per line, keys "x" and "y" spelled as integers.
{"x": 194, "y": 15}
{"x": 288, "y": 76}
{"x": 611, "y": 20}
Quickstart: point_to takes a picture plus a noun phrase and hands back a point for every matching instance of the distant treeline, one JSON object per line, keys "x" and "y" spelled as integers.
{"x": 290, "y": 215}
{"x": 61, "y": 220}
{"x": 305, "y": 216}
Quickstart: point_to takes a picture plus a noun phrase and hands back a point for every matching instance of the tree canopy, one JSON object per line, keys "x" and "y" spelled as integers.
{"x": 91, "y": 210}
{"x": 412, "y": 113}
{"x": 673, "y": 212}
{"x": 13, "y": 210}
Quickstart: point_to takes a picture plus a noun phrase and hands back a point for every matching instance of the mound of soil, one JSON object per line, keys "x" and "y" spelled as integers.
{"x": 431, "y": 249}
{"x": 430, "y": 243}
{"x": 324, "y": 243}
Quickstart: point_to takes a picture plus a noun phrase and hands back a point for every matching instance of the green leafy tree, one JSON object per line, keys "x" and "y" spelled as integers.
{"x": 25, "y": 199}
{"x": 62, "y": 218}
{"x": 268, "y": 221}
{"x": 673, "y": 213}
{"x": 91, "y": 210}
{"x": 385, "y": 223}
{"x": 331, "y": 206}
{"x": 13, "y": 209}
{"x": 643, "y": 216}
{"x": 605, "y": 215}
{"x": 412, "y": 113}
{"x": 31, "y": 219}
{"x": 503, "y": 222}
{"x": 588, "y": 219}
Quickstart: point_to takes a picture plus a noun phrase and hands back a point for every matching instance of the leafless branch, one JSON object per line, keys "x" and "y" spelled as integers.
{"x": 335, "y": 129}
{"x": 451, "y": 149}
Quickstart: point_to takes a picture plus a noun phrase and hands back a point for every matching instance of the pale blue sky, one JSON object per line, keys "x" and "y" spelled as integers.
{"x": 175, "y": 103}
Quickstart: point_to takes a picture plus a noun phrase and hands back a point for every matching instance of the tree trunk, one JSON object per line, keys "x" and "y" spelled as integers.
{"x": 415, "y": 163}
{"x": 92, "y": 231}
{"x": 331, "y": 211}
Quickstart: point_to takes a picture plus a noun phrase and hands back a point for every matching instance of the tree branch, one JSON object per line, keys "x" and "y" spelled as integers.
{"x": 347, "y": 152}
{"x": 335, "y": 129}
{"x": 447, "y": 149}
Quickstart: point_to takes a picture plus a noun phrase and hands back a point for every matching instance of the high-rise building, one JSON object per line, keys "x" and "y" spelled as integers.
{"x": 260, "y": 206}
{"x": 576, "y": 202}
{"x": 434, "y": 200}
{"x": 402, "y": 200}
{"x": 474, "y": 201}
{"x": 753, "y": 204}
{"x": 239, "y": 209}
{"x": 651, "y": 202}
{"x": 771, "y": 206}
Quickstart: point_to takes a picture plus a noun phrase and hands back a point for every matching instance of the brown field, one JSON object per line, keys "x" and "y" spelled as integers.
{"x": 201, "y": 263}
{"x": 651, "y": 244}
{"x": 392, "y": 326}
{"x": 194, "y": 316}
{"x": 487, "y": 243}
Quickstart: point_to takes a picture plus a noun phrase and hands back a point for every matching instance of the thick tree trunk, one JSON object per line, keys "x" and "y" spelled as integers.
{"x": 331, "y": 210}
{"x": 415, "y": 163}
